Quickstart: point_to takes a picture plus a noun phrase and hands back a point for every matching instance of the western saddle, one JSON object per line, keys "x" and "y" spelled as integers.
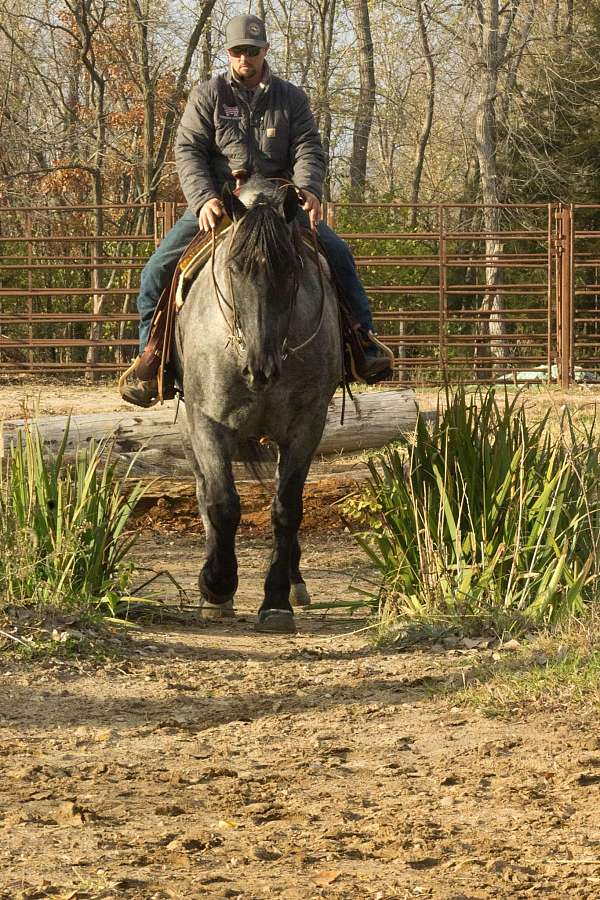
{"x": 154, "y": 362}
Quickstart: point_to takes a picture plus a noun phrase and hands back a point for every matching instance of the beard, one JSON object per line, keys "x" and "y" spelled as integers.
{"x": 254, "y": 70}
{"x": 243, "y": 75}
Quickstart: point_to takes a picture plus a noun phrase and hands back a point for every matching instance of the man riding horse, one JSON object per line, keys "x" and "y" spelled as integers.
{"x": 243, "y": 123}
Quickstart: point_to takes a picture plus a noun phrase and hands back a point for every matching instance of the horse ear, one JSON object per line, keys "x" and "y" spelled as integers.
{"x": 234, "y": 207}
{"x": 290, "y": 203}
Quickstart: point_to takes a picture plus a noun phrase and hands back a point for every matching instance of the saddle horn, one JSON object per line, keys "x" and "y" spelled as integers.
{"x": 234, "y": 207}
{"x": 291, "y": 202}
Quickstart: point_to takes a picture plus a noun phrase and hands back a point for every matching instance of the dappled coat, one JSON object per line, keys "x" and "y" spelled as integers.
{"x": 225, "y": 128}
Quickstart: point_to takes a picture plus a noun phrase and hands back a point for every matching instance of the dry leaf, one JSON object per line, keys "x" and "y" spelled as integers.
{"x": 510, "y": 645}
{"x": 328, "y": 876}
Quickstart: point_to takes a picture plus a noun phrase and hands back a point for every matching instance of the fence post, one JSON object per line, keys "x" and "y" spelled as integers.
{"x": 165, "y": 215}
{"x": 330, "y": 214}
{"x": 565, "y": 250}
{"x": 551, "y": 254}
{"x": 29, "y": 234}
{"x": 558, "y": 280}
{"x": 443, "y": 294}
{"x": 571, "y": 295}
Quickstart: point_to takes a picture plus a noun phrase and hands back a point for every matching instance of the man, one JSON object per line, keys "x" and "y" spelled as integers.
{"x": 245, "y": 122}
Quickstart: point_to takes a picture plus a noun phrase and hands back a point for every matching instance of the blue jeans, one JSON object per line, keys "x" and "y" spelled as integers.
{"x": 159, "y": 270}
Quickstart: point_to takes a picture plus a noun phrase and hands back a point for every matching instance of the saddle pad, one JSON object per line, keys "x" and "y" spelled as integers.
{"x": 190, "y": 264}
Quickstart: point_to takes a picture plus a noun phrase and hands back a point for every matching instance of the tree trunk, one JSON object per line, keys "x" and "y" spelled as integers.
{"x": 371, "y": 420}
{"x": 493, "y": 30}
{"x": 491, "y": 304}
{"x": 207, "y": 51}
{"x": 426, "y": 128}
{"x": 87, "y": 25}
{"x": 323, "y": 106}
{"x": 170, "y": 120}
{"x": 366, "y": 101}
{"x": 147, "y": 89}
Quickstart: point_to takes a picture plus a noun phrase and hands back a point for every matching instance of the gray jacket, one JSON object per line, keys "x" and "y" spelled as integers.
{"x": 221, "y": 131}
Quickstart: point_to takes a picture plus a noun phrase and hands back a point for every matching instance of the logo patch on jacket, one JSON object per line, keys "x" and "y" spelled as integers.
{"x": 231, "y": 112}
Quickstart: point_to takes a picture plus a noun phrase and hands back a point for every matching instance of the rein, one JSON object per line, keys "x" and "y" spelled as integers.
{"x": 236, "y": 338}
{"x": 322, "y": 312}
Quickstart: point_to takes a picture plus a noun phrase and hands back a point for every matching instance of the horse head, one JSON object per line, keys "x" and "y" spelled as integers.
{"x": 263, "y": 269}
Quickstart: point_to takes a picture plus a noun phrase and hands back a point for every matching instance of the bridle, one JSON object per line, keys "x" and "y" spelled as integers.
{"x": 236, "y": 337}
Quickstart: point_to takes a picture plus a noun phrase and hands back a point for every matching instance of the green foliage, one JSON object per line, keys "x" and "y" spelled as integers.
{"x": 404, "y": 276}
{"x": 549, "y": 143}
{"x": 559, "y": 674}
{"x": 55, "y": 268}
{"x": 484, "y": 520}
{"x": 62, "y": 524}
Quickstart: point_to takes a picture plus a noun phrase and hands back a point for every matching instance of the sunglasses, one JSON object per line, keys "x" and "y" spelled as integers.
{"x": 245, "y": 51}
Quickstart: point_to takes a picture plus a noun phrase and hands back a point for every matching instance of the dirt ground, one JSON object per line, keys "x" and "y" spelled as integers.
{"x": 206, "y": 760}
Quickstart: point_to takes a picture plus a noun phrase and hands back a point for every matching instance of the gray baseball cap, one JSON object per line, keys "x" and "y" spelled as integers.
{"x": 245, "y": 31}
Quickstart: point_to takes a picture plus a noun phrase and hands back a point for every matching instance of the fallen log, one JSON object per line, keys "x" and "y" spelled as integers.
{"x": 151, "y": 436}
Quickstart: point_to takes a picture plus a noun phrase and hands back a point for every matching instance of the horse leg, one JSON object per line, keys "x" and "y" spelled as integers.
{"x": 299, "y": 595}
{"x": 219, "y": 505}
{"x": 275, "y": 613}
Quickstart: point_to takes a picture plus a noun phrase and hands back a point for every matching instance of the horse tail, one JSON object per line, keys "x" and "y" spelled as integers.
{"x": 259, "y": 458}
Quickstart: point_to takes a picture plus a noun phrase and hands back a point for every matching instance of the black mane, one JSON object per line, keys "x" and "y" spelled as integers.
{"x": 263, "y": 243}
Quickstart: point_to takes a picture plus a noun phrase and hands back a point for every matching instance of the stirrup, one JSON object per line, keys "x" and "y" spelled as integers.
{"x": 387, "y": 351}
{"x": 370, "y": 369}
{"x": 127, "y": 373}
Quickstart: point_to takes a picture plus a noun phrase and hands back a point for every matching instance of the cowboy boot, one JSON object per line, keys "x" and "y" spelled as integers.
{"x": 145, "y": 393}
{"x": 378, "y": 359}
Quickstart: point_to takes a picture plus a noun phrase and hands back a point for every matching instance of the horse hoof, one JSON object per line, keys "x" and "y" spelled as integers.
{"x": 217, "y": 610}
{"x": 275, "y": 621}
{"x": 213, "y": 606}
{"x": 299, "y": 596}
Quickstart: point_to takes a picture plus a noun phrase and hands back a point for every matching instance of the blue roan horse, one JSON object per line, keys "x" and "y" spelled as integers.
{"x": 258, "y": 347}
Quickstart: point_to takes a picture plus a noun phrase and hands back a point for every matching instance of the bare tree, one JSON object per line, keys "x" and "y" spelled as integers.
{"x": 323, "y": 13}
{"x": 489, "y": 38}
{"x": 363, "y": 120}
{"x": 428, "y": 120}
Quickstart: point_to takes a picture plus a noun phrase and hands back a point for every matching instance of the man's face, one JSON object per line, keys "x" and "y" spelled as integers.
{"x": 246, "y": 66}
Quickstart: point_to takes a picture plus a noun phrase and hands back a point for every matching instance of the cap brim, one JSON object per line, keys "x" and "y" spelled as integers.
{"x": 246, "y": 43}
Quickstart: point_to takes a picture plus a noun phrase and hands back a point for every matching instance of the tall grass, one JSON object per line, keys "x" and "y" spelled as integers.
{"x": 485, "y": 519}
{"x": 62, "y": 525}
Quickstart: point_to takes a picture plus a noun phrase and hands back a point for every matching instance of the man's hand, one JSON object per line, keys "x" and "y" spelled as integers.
{"x": 210, "y": 214}
{"x": 312, "y": 205}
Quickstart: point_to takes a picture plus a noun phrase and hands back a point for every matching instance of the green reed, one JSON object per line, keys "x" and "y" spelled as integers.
{"x": 485, "y": 519}
{"x": 62, "y": 525}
